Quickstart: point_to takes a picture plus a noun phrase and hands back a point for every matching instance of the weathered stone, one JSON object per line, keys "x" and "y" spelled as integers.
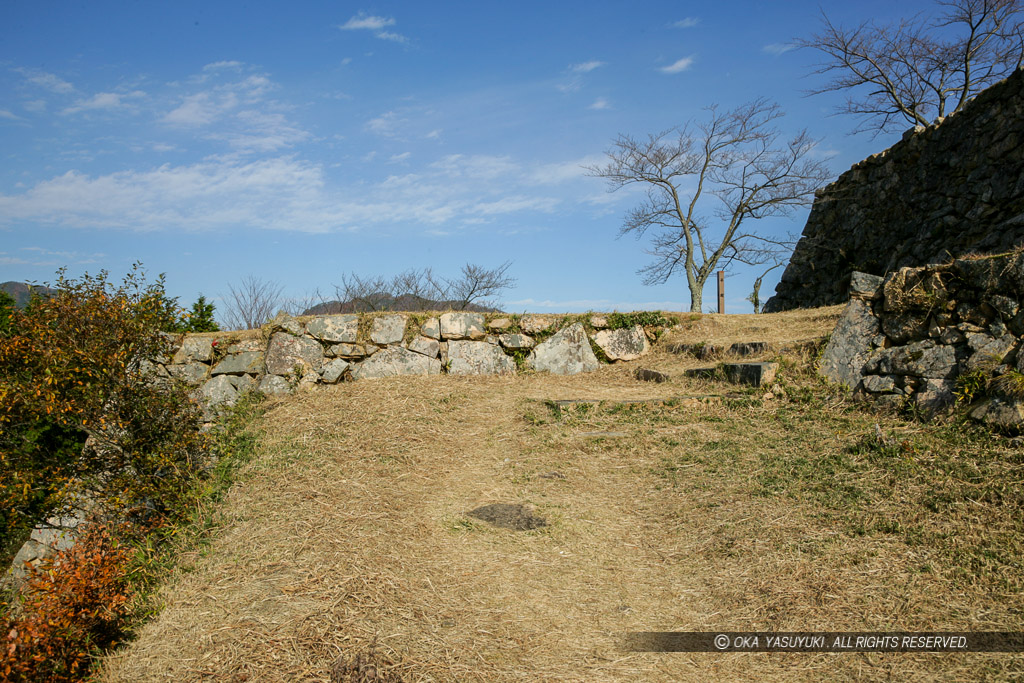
{"x": 850, "y": 344}
{"x": 272, "y": 384}
{"x": 975, "y": 315}
{"x": 477, "y": 358}
{"x": 988, "y": 350}
{"x": 934, "y": 395}
{"x": 348, "y": 351}
{"x": 516, "y": 341}
{"x": 286, "y": 323}
{"x": 431, "y": 328}
{"x": 426, "y": 346}
{"x": 370, "y": 349}
{"x": 334, "y": 328}
{"x": 1005, "y": 306}
{"x": 599, "y": 322}
{"x": 218, "y": 391}
{"x": 905, "y": 327}
{"x": 1001, "y": 413}
{"x": 624, "y": 344}
{"x": 568, "y": 352}
{"x": 878, "y": 384}
{"x": 155, "y": 371}
{"x": 647, "y": 375}
{"x": 865, "y": 286}
{"x": 387, "y": 329}
{"x": 462, "y": 326}
{"x": 241, "y": 383}
{"x": 712, "y": 372}
{"x": 754, "y": 374}
{"x": 194, "y": 349}
{"x": 245, "y": 363}
{"x": 288, "y": 355}
{"x": 244, "y": 346}
{"x": 191, "y": 373}
{"x": 333, "y": 371}
{"x": 395, "y": 360}
{"x": 499, "y": 325}
{"x": 509, "y": 516}
{"x": 749, "y": 348}
{"x": 700, "y": 350}
{"x": 532, "y": 324}
{"x": 920, "y": 359}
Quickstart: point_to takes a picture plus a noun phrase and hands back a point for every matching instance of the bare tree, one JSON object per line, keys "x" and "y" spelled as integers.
{"x": 734, "y": 157}
{"x": 420, "y": 290}
{"x": 916, "y": 70}
{"x": 252, "y": 303}
{"x": 478, "y": 285}
{"x": 755, "y": 295}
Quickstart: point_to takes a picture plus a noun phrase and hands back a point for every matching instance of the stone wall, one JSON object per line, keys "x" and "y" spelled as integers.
{"x": 326, "y": 349}
{"x": 947, "y": 190}
{"x": 921, "y": 336}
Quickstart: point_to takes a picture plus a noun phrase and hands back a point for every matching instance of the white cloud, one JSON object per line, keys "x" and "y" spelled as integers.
{"x": 376, "y": 24}
{"x": 599, "y": 103}
{"x": 362, "y": 21}
{"x": 387, "y": 124}
{"x": 103, "y": 100}
{"x": 677, "y": 66}
{"x": 35, "y": 106}
{"x": 688, "y": 22}
{"x": 214, "y": 66}
{"x": 4, "y": 114}
{"x": 778, "y": 48}
{"x": 586, "y": 67}
{"x": 390, "y": 35}
{"x": 47, "y": 81}
{"x": 434, "y": 134}
{"x": 398, "y": 158}
{"x": 200, "y": 109}
{"x": 40, "y": 257}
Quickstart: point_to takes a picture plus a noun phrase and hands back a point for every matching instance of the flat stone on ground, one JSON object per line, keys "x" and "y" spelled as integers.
{"x": 509, "y": 516}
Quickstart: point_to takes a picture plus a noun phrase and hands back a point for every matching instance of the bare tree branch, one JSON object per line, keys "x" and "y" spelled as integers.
{"x": 252, "y": 303}
{"x": 916, "y": 70}
{"x": 420, "y": 290}
{"x": 735, "y": 162}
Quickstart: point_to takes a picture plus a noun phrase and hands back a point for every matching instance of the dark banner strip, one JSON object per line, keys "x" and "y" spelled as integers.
{"x": 820, "y": 641}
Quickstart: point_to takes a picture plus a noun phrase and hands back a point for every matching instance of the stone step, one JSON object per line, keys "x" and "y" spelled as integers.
{"x": 704, "y": 351}
{"x": 754, "y": 374}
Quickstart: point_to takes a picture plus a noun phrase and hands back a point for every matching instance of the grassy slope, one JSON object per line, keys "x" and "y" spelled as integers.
{"x": 745, "y": 514}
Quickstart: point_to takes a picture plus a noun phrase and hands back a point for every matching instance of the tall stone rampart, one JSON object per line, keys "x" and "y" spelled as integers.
{"x": 946, "y": 190}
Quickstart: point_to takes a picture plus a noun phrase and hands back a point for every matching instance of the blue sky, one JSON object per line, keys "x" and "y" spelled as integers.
{"x": 296, "y": 142}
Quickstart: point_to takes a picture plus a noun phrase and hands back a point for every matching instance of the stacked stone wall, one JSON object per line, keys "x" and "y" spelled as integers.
{"x": 291, "y": 352}
{"x": 930, "y": 336}
{"x": 946, "y": 190}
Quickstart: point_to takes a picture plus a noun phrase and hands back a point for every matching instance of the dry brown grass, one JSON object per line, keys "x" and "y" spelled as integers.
{"x": 349, "y": 528}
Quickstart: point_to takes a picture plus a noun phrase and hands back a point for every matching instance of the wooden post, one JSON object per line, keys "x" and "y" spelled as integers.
{"x": 721, "y": 291}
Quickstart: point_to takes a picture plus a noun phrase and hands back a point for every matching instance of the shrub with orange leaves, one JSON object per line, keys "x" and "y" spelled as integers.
{"x": 74, "y": 608}
{"x": 76, "y": 366}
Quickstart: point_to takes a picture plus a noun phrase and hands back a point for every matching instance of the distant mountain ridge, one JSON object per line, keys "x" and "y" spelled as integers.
{"x": 386, "y": 302}
{"x": 21, "y": 292}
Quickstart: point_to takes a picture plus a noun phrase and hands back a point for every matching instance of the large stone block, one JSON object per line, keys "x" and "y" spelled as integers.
{"x": 624, "y": 344}
{"x": 426, "y": 346}
{"x": 218, "y": 391}
{"x": 920, "y": 359}
{"x": 462, "y": 326}
{"x": 850, "y": 344}
{"x": 334, "y": 328}
{"x": 568, "y": 352}
{"x": 395, "y": 360}
{"x": 245, "y": 363}
{"x": 333, "y": 371}
{"x": 287, "y": 354}
{"x": 478, "y": 358}
{"x": 191, "y": 373}
{"x": 387, "y": 329}
{"x": 194, "y": 349}
{"x": 754, "y": 374}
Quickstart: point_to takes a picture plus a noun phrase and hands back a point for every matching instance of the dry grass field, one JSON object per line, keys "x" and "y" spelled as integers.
{"x": 792, "y": 511}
